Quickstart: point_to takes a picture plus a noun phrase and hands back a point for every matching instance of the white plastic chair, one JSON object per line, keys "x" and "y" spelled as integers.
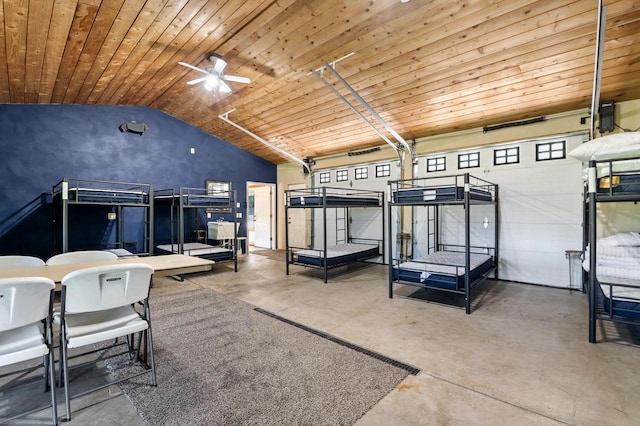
{"x": 25, "y": 304}
{"x": 18, "y": 261}
{"x": 81, "y": 256}
{"x": 97, "y": 305}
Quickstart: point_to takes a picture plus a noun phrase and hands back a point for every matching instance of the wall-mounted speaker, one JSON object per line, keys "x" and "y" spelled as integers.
{"x": 606, "y": 116}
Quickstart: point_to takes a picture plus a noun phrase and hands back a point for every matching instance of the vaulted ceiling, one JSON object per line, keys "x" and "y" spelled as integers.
{"x": 425, "y": 66}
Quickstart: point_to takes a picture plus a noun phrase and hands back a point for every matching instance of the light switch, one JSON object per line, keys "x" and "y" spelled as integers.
{"x": 193, "y": 150}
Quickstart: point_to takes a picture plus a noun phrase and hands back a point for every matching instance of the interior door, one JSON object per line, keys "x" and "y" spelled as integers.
{"x": 262, "y": 216}
{"x": 296, "y": 222}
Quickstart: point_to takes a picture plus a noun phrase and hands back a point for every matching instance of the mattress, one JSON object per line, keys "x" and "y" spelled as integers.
{"x": 333, "y": 200}
{"x": 109, "y": 196}
{"x": 337, "y": 255}
{"x": 442, "y": 269}
{"x": 619, "y": 184}
{"x": 196, "y": 200}
{"x": 450, "y": 193}
{"x": 625, "y": 302}
{"x": 199, "y": 250}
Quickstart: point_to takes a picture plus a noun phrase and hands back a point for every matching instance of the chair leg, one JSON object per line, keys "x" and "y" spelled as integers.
{"x": 63, "y": 364}
{"x": 60, "y": 366}
{"x": 45, "y": 362}
{"x": 149, "y": 342}
{"x": 52, "y": 386}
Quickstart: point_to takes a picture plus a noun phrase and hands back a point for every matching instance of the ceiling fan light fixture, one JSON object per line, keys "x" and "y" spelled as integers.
{"x": 211, "y": 82}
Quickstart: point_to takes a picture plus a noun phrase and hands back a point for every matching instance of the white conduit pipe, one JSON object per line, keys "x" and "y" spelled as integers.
{"x": 225, "y": 117}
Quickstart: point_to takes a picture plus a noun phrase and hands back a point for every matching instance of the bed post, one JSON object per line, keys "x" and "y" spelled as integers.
{"x": 286, "y": 228}
{"x": 324, "y": 230}
{"x": 592, "y": 251}
{"x": 235, "y": 230}
{"x": 390, "y": 238}
{"x": 181, "y": 222}
{"x": 497, "y": 233}
{"x": 150, "y": 222}
{"x": 467, "y": 250}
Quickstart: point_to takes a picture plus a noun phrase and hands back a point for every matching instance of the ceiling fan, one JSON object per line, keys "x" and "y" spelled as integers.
{"x": 214, "y": 77}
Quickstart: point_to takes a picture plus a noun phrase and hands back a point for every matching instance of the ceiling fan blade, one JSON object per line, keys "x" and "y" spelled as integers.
{"x": 236, "y": 78}
{"x": 219, "y": 65}
{"x": 224, "y": 87}
{"x": 184, "y": 64}
{"x": 197, "y": 80}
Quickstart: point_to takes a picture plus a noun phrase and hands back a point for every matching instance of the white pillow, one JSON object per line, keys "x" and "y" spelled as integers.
{"x": 622, "y": 239}
{"x": 619, "y": 145}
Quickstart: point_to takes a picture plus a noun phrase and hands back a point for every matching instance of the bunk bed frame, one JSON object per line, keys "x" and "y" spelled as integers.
{"x": 611, "y": 298}
{"x": 119, "y": 195}
{"x": 447, "y": 267}
{"x": 192, "y": 199}
{"x": 346, "y": 251}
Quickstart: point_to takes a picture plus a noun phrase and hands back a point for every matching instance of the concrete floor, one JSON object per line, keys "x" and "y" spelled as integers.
{"x": 522, "y": 357}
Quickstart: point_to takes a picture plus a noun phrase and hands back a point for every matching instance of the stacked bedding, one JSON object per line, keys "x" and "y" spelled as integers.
{"x": 618, "y": 258}
{"x": 618, "y": 273}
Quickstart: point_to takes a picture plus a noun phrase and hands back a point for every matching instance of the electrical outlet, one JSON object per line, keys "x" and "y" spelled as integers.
{"x": 193, "y": 150}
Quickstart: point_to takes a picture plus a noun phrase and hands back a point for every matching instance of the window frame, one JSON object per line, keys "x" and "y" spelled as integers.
{"x": 551, "y": 151}
{"x": 361, "y": 173}
{"x": 385, "y": 168}
{"x": 340, "y": 173}
{"x": 469, "y": 160}
{"x": 324, "y": 177}
{"x": 506, "y": 156}
{"x": 435, "y": 161}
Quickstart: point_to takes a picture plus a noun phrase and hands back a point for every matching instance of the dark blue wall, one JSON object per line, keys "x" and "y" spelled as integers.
{"x": 41, "y": 144}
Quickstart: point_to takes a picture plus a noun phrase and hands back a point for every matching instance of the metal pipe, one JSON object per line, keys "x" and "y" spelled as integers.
{"x": 353, "y": 108}
{"x": 225, "y": 117}
{"x": 597, "y": 72}
{"x": 370, "y": 109}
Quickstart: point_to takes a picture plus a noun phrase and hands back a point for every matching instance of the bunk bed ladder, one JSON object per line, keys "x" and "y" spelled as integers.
{"x": 104, "y": 243}
{"x": 341, "y": 226}
{"x": 432, "y": 232}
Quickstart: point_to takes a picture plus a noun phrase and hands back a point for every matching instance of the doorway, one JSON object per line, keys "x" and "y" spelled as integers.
{"x": 261, "y": 218}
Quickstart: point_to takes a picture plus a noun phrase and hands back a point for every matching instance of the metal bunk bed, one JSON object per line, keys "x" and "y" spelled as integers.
{"x": 454, "y": 268}
{"x": 117, "y": 196}
{"x": 613, "y": 271}
{"x": 346, "y": 248}
{"x": 196, "y": 199}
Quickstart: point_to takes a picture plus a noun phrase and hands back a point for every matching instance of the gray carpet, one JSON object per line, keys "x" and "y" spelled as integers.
{"x": 220, "y": 362}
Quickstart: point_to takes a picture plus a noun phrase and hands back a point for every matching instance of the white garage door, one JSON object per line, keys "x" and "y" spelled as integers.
{"x": 540, "y": 209}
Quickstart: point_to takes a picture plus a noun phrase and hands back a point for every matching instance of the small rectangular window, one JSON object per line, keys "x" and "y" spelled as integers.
{"x": 325, "y": 177}
{"x": 383, "y": 170}
{"x": 506, "y": 156}
{"x": 468, "y": 161}
{"x": 362, "y": 172}
{"x": 550, "y": 151}
{"x": 342, "y": 175}
{"x": 436, "y": 164}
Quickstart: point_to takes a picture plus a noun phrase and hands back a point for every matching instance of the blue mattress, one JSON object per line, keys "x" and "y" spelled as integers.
{"x": 622, "y": 307}
{"x": 333, "y": 200}
{"x": 442, "y": 270}
{"x": 106, "y": 196}
{"x": 196, "y": 201}
{"x": 337, "y": 255}
{"x": 426, "y": 195}
{"x": 622, "y": 184}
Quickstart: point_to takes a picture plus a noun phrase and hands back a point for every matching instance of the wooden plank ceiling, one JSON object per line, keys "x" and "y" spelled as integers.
{"x": 426, "y": 66}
